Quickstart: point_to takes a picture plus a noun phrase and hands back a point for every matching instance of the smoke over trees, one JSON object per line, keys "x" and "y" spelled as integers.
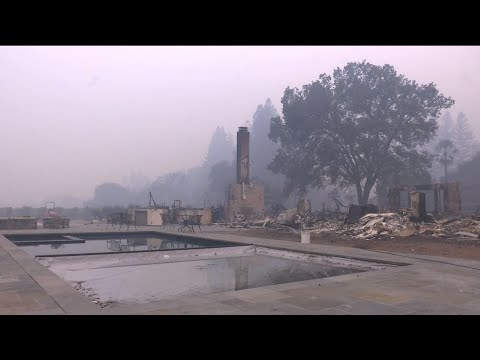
{"x": 262, "y": 152}
{"x": 221, "y": 148}
{"x": 221, "y": 175}
{"x": 445, "y": 154}
{"x": 111, "y": 194}
{"x": 468, "y": 174}
{"x": 195, "y": 186}
{"x": 464, "y": 139}
{"x": 364, "y": 128}
{"x": 262, "y": 149}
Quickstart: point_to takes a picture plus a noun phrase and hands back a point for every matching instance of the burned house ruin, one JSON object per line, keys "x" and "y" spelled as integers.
{"x": 446, "y": 197}
{"x": 244, "y": 200}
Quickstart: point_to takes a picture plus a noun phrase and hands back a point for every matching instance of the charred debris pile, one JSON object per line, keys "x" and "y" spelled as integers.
{"x": 368, "y": 223}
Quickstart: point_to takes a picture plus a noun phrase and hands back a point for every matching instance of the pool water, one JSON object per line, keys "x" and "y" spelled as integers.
{"x": 86, "y": 244}
{"x": 126, "y": 278}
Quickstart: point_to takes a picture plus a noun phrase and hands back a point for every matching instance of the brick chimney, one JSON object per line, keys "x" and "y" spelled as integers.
{"x": 243, "y": 154}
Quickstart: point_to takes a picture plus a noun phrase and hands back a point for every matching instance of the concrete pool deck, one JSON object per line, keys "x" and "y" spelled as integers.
{"x": 426, "y": 285}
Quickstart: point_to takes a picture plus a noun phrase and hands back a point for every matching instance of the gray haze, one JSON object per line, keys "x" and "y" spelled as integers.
{"x": 74, "y": 117}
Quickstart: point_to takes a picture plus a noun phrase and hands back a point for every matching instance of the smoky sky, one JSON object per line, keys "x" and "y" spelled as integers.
{"x": 74, "y": 117}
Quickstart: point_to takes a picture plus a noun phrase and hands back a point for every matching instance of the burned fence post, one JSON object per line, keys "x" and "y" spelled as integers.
{"x": 409, "y": 198}
{"x": 393, "y": 198}
{"x": 436, "y": 192}
{"x": 418, "y": 205}
{"x": 452, "y": 198}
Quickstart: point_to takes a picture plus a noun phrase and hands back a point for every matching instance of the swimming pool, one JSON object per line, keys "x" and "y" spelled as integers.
{"x": 151, "y": 276}
{"x": 100, "y": 243}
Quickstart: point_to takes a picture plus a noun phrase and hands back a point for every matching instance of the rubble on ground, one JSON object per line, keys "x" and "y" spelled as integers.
{"x": 400, "y": 224}
{"x": 372, "y": 225}
{"x": 287, "y": 216}
{"x": 355, "y": 212}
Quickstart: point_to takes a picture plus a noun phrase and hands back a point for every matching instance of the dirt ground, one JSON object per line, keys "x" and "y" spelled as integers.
{"x": 420, "y": 245}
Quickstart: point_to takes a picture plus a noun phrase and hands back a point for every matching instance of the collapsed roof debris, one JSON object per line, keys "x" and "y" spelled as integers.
{"x": 399, "y": 223}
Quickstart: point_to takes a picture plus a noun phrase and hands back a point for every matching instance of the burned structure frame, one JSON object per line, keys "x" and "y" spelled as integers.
{"x": 450, "y": 193}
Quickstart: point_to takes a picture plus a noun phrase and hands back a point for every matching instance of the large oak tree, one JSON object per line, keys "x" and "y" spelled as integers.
{"x": 354, "y": 127}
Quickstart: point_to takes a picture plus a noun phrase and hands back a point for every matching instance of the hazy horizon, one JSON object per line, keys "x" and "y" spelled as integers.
{"x": 75, "y": 117}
